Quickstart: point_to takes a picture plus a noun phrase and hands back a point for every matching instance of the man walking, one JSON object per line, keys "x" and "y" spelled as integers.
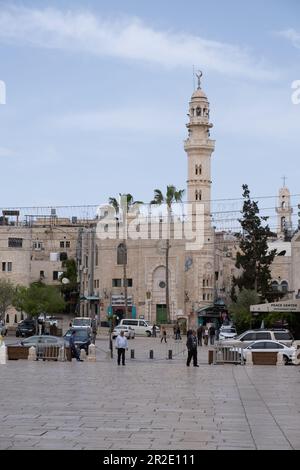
{"x": 199, "y": 335}
{"x": 121, "y": 345}
{"x": 192, "y": 349}
{"x": 74, "y": 351}
{"x": 212, "y": 333}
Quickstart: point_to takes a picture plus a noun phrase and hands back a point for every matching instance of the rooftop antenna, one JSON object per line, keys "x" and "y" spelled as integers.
{"x": 284, "y": 178}
{"x": 194, "y": 84}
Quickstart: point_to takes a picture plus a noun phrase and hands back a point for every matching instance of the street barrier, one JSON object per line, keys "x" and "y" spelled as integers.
{"x": 227, "y": 355}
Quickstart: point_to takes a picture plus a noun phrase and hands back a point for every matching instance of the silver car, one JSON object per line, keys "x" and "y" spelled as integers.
{"x": 128, "y": 331}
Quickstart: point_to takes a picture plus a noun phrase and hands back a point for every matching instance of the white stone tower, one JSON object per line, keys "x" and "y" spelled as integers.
{"x": 284, "y": 211}
{"x": 200, "y": 281}
{"x": 199, "y": 148}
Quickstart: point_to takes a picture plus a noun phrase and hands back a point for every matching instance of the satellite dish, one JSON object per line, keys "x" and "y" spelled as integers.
{"x": 65, "y": 280}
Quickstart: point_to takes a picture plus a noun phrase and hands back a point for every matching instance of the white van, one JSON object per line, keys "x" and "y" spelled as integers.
{"x": 82, "y": 322}
{"x": 141, "y": 327}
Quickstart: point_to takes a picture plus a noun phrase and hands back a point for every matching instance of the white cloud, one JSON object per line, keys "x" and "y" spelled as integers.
{"x": 128, "y": 39}
{"x": 292, "y": 35}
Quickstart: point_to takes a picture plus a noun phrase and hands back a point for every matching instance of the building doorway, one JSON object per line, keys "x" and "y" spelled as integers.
{"x": 161, "y": 313}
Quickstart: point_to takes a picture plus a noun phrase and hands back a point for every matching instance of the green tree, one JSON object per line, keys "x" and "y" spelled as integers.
{"x": 37, "y": 299}
{"x": 240, "y": 310}
{"x": 7, "y": 292}
{"x": 70, "y": 290}
{"x": 255, "y": 259}
{"x": 126, "y": 203}
{"x": 173, "y": 195}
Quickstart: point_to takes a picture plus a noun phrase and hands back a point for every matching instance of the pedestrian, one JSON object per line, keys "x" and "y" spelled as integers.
{"x": 174, "y": 331}
{"x": 154, "y": 331}
{"x": 217, "y": 333}
{"x": 74, "y": 351}
{"x": 177, "y": 335}
{"x": 205, "y": 336}
{"x": 163, "y": 334}
{"x": 199, "y": 335}
{"x": 212, "y": 333}
{"x": 121, "y": 346}
{"x": 191, "y": 345}
{"x": 94, "y": 331}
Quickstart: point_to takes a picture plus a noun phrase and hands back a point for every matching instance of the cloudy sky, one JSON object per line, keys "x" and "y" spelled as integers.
{"x": 98, "y": 92}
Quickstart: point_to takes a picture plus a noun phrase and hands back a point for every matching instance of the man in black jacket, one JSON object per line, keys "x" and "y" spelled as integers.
{"x": 192, "y": 343}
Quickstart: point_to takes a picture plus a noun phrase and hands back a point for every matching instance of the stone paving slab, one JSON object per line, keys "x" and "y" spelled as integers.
{"x": 148, "y": 405}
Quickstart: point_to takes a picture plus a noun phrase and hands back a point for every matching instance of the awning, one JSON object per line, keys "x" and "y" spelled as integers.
{"x": 91, "y": 297}
{"x": 287, "y": 306}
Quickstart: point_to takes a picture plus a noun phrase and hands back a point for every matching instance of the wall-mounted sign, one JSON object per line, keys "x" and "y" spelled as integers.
{"x": 119, "y": 300}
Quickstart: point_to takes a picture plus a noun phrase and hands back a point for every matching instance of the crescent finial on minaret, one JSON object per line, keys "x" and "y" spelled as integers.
{"x": 199, "y": 76}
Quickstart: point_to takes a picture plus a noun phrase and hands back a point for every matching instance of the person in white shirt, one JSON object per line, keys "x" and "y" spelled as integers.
{"x": 121, "y": 345}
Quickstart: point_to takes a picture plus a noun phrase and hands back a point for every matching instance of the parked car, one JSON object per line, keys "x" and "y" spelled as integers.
{"x": 227, "y": 332}
{"x": 271, "y": 346}
{"x": 141, "y": 327}
{"x": 82, "y": 323}
{"x": 45, "y": 340}
{"x": 26, "y": 328}
{"x": 82, "y": 338}
{"x": 249, "y": 336}
{"x": 3, "y": 329}
{"x": 128, "y": 331}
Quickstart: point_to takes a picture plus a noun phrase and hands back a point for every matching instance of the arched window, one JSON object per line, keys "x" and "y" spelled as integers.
{"x": 284, "y": 286}
{"x": 122, "y": 254}
{"x": 199, "y": 195}
{"x": 282, "y": 223}
{"x": 203, "y": 282}
{"x": 196, "y": 169}
{"x": 200, "y": 169}
{"x": 283, "y": 205}
{"x": 275, "y": 286}
{"x": 198, "y": 111}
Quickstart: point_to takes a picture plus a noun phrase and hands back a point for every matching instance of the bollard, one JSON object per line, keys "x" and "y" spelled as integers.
{"x": 280, "y": 361}
{"x": 61, "y": 354}
{"x": 131, "y": 353}
{"x": 32, "y": 354}
{"x": 249, "y": 360}
{"x": 3, "y": 354}
{"x": 151, "y": 354}
{"x": 170, "y": 354}
{"x": 92, "y": 353}
{"x": 82, "y": 355}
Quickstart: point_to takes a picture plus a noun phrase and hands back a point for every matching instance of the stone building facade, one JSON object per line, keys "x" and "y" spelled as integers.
{"x": 35, "y": 251}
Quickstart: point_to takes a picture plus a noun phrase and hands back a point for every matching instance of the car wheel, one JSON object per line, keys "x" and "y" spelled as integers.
{"x": 148, "y": 334}
{"x": 285, "y": 360}
{"x": 17, "y": 334}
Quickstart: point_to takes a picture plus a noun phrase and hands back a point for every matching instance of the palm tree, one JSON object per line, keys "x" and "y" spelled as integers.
{"x": 173, "y": 195}
{"x": 129, "y": 202}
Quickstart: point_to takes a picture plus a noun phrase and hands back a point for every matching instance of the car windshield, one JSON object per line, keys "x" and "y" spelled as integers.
{"x": 81, "y": 335}
{"x": 81, "y": 322}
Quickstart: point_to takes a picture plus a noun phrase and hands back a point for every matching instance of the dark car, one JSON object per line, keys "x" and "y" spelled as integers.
{"x": 82, "y": 338}
{"x": 26, "y": 328}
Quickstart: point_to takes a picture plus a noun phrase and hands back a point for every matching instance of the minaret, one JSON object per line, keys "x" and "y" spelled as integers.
{"x": 200, "y": 278}
{"x": 199, "y": 148}
{"x": 284, "y": 211}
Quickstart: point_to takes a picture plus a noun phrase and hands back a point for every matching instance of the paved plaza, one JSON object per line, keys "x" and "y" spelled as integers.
{"x": 148, "y": 404}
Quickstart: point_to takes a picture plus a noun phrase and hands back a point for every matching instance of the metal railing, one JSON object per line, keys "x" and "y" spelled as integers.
{"x": 228, "y": 355}
{"x": 51, "y": 353}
